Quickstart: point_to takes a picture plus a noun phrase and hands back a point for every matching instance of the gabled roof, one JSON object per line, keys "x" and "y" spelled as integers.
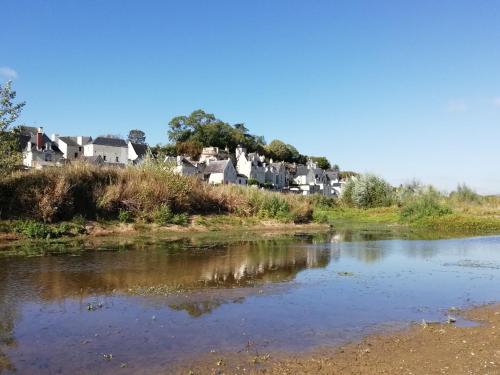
{"x": 302, "y": 170}
{"x": 139, "y": 148}
{"x": 28, "y": 136}
{"x": 332, "y": 175}
{"x": 70, "y": 141}
{"x": 106, "y": 141}
{"x": 217, "y": 166}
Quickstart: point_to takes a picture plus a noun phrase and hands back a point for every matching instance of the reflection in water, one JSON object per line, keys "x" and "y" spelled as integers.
{"x": 202, "y": 293}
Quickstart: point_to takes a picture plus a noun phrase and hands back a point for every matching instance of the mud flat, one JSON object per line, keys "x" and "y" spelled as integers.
{"x": 421, "y": 349}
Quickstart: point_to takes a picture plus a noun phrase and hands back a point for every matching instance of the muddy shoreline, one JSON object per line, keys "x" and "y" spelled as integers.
{"x": 96, "y": 230}
{"x": 439, "y": 348}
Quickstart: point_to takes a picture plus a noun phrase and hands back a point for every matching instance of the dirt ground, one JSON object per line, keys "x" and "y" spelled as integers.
{"x": 422, "y": 349}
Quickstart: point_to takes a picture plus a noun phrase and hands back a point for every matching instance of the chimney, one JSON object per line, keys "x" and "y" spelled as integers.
{"x": 39, "y": 139}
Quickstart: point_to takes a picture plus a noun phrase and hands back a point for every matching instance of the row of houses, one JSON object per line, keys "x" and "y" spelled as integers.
{"x": 214, "y": 166}
{"x": 220, "y": 167}
{"x": 40, "y": 151}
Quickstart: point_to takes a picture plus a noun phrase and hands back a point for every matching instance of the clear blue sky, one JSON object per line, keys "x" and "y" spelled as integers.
{"x": 403, "y": 89}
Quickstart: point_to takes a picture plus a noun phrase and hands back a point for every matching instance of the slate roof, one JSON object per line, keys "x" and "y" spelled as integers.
{"x": 301, "y": 170}
{"x": 105, "y": 141}
{"x": 332, "y": 175}
{"x": 70, "y": 141}
{"x": 217, "y": 166}
{"x": 28, "y": 135}
{"x": 139, "y": 148}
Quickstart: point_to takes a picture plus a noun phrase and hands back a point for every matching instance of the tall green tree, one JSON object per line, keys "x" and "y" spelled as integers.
{"x": 200, "y": 129}
{"x": 281, "y": 151}
{"x": 321, "y": 162}
{"x": 10, "y": 155}
{"x": 137, "y": 136}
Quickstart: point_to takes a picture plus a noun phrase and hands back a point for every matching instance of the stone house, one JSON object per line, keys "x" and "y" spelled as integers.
{"x": 182, "y": 165}
{"x": 220, "y": 172}
{"x": 251, "y": 165}
{"x": 276, "y": 174}
{"x": 38, "y": 149}
{"x": 71, "y": 147}
{"x": 112, "y": 150}
{"x": 213, "y": 153}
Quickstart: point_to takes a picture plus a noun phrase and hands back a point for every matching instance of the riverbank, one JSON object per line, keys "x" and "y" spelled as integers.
{"x": 85, "y": 200}
{"x": 421, "y": 349}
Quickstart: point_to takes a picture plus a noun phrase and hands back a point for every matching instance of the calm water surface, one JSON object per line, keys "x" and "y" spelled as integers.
{"x": 152, "y": 304}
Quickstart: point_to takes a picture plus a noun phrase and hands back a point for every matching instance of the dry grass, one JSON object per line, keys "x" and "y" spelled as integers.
{"x": 57, "y": 194}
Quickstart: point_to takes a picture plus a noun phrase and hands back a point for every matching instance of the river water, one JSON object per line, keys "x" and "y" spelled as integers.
{"x": 125, "y": 306}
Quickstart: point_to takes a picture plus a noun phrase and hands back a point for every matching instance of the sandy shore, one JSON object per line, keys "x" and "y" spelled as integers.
{"x": 419, "y": 350}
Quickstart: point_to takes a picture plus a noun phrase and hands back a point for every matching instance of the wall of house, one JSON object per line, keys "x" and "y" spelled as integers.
{"x": 132, "y": 155}
{"x": 69, "y": 152}
{"x": 110, "y": 154}
{"x": 227, "y": 177}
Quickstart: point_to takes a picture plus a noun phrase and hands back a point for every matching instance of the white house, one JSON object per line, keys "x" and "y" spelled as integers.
{"x": 252, "y": 165}
{"x": 213, "y": 153}
{"x": 276, "y": 174}
{"x": 112, "y": 150}
{"x": 71, "y": 147}
{"x": 38, "y": 149}
{"x": 182, "y": 165}
{"x": 311, "y": 179}
{"x": 136, "y": 152}
{"x": 220, "y": 172}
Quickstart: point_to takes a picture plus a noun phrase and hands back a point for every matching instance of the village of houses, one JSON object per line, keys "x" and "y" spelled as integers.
{"x": 215, "y": 166}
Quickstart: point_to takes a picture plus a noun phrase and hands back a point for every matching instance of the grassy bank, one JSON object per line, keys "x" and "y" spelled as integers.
{"x": 462, "y": 212}
{"x": 59, "y": 201}
{"x": 77, "y": 199}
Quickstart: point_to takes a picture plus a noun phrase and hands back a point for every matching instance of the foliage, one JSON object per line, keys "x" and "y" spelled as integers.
{"x": 123, "y": 216}
{"x": 344, "y": 175}
{"x": 37, "y": 230}
{"x": 200, "y": 129}
{"x": 10, "y": 156}
{"x": 137, "y": 136}
{"x": 9, "y": 111}
{"x": 322, "y": 162}
{"x": 367, "y": 191}
{"x": 280, "y": 151}
{"x": 465, "y": 194}
{"x": 253, "y": 181}
{"x": 161, "y": 151}
{"x": 426, "y": 203}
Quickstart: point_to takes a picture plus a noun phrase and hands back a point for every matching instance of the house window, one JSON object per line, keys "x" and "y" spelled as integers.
{"x": 80, "y": 149}
{"x": 104, "y": 158}
{"x": 117, "y": 159}
{"x": 76, "y": 155}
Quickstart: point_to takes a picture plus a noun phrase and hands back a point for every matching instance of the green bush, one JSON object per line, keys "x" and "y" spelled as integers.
{"x": 275, "y": 207}
{"x": 367, "y": 191}
{"x": 253, "y": 181}
{"x": 423, "y": 205}
{"x": 465, "y": 194}
{"x": 162, "y": 215}
{"x": 123, "y": 216}
{"x": 38, "y": 230}
{"x": 180, "y": 219}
